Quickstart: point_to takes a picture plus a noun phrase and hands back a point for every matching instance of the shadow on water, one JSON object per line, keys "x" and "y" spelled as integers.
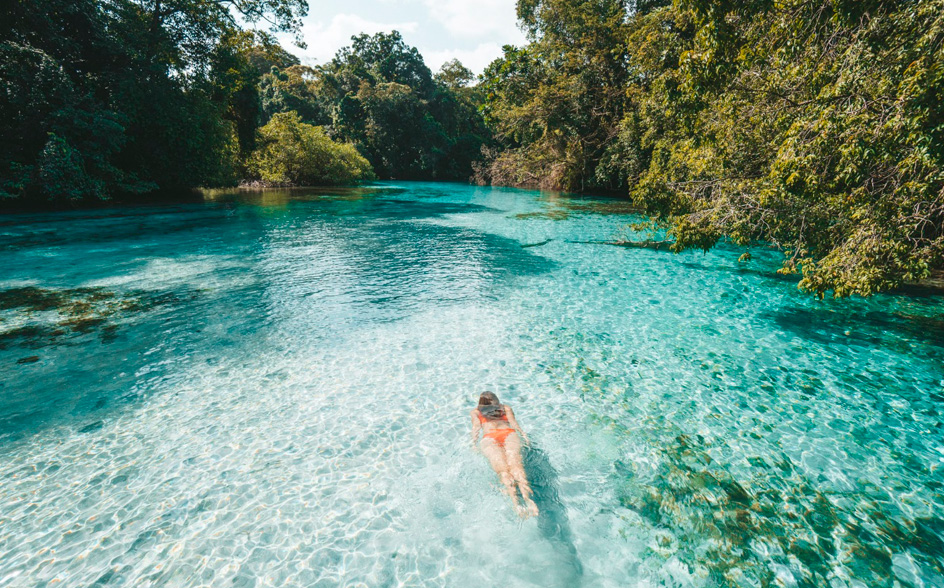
{"x": 389, "y": 208}
{"x": 121, "y": 223}
{"x": 93, "y": 335}
{"x": 861, "y": 328}
{"x": 104, "y": 226}
{"x": 279, "y": 196}
{"x": 768, "y": 272}
{"x": 767, "y": 266}
{"x": 329, "y": 266}
{"x": 553, "y": 522}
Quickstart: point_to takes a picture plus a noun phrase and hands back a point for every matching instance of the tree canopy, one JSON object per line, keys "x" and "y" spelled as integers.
{"x": 129, "y": 96}
{"x": 133, "y": 96}
{"x": 815, "y": 127}
{"x": 381, "y": 96}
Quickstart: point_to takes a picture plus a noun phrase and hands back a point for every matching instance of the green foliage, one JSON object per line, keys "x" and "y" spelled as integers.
{"x": 804, "y": 126}
{"x": 133, "y": 96}
{"x": 129, "y": 96}
{"x": 816, "y": 127}
{"x": 454, "y": 75}
{"x": 556, "y": 104}
{"x": 813, "y": 126}
{"x": 293, "y": 89}
{"x": 292, "y": 152}
{"x": 379, "y": 95}
{"x": 380, "y": 58}
{"x": 61, "y": 173}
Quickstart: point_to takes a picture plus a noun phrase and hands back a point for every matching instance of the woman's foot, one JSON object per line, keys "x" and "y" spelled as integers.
{"x": 521, "y": 510}
{"x": 529, "y": 503}
{"x": 515, "y": 503}
{"x": 530, "y": 507}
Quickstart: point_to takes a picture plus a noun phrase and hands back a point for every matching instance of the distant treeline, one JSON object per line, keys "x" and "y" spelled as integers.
{"x": 379, "y": 95}
{"x": 813, "y": 126}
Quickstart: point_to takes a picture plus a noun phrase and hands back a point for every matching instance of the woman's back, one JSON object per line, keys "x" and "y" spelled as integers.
{"x": 493, "y": 417}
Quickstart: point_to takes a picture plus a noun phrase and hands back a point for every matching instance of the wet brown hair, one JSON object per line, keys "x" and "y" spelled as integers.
{"x": 490, "y": 408}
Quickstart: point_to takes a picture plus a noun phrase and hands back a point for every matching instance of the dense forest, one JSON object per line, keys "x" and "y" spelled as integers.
{"x": 120, "y": 97}
{"x": 812, "y": 126}
{"x": 815, "y": 126}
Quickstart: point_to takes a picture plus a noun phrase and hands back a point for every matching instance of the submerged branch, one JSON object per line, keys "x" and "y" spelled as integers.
{"x": 647, "y": 244}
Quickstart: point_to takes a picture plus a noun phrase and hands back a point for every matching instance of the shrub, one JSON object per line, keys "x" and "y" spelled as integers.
{"x": 292, "y": 152}
{"x": 62, "y": 175}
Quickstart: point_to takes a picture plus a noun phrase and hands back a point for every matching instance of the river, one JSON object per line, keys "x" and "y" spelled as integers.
{"x": 273, "y": 389}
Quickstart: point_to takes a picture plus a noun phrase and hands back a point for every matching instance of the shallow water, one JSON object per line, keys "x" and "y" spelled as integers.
{"x": 272, "y": 389}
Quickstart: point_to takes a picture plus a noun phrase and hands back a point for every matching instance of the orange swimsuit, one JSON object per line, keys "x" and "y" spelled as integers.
{"x": 497, "y": 435}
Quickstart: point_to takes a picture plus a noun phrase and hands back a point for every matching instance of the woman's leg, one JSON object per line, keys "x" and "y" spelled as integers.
{"x": 496, "y": 457}
{"x": 516, "y": 468}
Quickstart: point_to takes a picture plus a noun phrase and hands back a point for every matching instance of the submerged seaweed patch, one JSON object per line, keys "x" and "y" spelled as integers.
{"x": 548, "y": 215}
{"x": 79, "y": 311}
{"x": 781, "y": 526}
{"x": 30, "y": 336}
{"x": 758, "y": 517}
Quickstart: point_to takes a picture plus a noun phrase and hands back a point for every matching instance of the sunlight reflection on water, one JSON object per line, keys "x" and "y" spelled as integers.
{"x": 272, "y": 388}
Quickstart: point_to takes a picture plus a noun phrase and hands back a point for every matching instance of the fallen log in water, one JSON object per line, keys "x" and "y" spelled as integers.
{"x": 930, "y": 286}
{"x": 647, "y": 244}
{"x": 544, "y": 242}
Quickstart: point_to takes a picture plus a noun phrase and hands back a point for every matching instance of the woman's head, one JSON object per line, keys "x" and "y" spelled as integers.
{"x": 488, "y": 399}
{"x": 490, "y": 407}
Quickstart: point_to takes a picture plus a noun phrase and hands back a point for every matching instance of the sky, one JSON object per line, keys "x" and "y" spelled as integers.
{"x": 473, "y": 31}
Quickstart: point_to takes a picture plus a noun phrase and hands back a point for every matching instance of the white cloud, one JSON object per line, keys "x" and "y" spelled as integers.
{"x": 324, "y": 40}
{"x": 477, "y": 18}
{"x": 475, "y": 59}
{"x": 472, "y": 31}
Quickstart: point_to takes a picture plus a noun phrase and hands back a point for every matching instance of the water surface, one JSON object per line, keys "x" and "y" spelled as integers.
{"x": 272, "y": 389}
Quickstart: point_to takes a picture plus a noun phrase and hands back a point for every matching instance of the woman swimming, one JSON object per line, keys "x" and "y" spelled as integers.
{"x": 501, "y": 444}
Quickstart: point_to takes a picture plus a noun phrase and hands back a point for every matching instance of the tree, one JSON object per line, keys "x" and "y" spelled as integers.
{"x": 293, "y": 89}
{"x": 382, "y": 58}
{"x": 292, "y": 152}
{"x": 379, "y": 95}
{"x": 815, "y": 127}
{"x": 556, "y": 104}
{"x": 454, "y": 75}
{"x": 811, "y": 126}
{"x": 126, "y": 96}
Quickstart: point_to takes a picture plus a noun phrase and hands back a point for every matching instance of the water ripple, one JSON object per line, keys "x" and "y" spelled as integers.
{"x": 283, "y": 401}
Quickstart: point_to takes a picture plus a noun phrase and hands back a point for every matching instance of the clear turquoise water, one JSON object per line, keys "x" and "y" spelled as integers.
{"x": 272, "y": 389}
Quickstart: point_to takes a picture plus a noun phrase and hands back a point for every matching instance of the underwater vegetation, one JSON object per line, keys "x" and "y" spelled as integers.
{"x": 779, "y": 528}
{"x": 34, "y": 317}
{"x": 713, "y": 477}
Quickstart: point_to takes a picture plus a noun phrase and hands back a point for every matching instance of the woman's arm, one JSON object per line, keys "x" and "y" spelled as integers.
{"x": 476, "y": 427}
{"x": 516, "y": 426}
